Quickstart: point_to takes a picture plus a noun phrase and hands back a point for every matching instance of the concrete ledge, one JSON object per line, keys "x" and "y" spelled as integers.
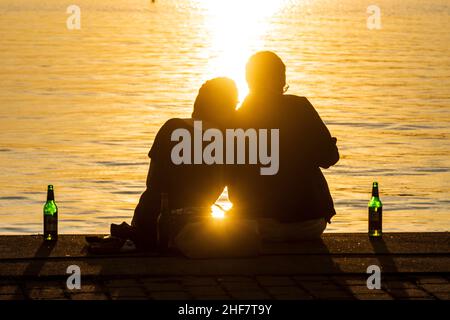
{"x": 414, "y": 265}
{"x": 332, "y": 243}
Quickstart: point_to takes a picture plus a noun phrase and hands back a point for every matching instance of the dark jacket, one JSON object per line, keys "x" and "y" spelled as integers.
{"x": 187, "y": 185}
{"x": 299, "y": 190}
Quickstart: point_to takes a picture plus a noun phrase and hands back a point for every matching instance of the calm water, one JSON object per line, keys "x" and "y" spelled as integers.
{"x": 80, "y": 108}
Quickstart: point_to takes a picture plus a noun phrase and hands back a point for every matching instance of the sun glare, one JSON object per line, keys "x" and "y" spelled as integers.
{"x": 236, "y": 29}
{"x": 222, "y": 205}
{"x": 217, "y": 213}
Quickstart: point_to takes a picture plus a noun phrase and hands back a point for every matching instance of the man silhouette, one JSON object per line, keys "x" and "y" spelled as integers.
{"x": 295, "y": 203}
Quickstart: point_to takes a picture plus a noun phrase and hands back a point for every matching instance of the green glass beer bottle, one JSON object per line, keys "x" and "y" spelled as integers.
{"x": 50, "y": 216}
{"x": 375, "y": 213}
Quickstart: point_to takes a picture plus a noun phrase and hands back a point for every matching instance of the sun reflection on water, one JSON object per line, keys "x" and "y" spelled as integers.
{"x": 235, "y": 29}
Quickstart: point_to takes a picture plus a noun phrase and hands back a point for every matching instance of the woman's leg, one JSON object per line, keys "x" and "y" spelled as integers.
{"x": 146, "y": 213}
{"x": 145, "y": 220}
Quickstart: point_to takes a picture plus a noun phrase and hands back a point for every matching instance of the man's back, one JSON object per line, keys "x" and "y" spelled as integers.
{"x": 298, "y": 191}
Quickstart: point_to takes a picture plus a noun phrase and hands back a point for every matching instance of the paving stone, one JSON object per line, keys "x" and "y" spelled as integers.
{"x": 134, "y": 292}
{"x": 364, "y": 290}
{"x": 9, "y": 289}
{"x": 319, "y": 285}
{"x": 285, "y": 290}
{"x": 241, "y": 286}
{"x": 130, "y": 298}
{"x": 436, "y": 287}
{"x": 162, "y": 286}
{"x": 288, "y": 293}
{"x": 292, "y": 296}
{"x": 198, "y": 281}
{"x": 332, "y": 294}
{"x": 163, "y": 279}
{"x": 398, "y": 284}
{"x": 235, "y": 279}
{"x": 206, "y": 290}
{"x": 350, "y": 282}
{"x": 325, "y": 290}
{"x": 44, "y": 284}
{"x": 442, "y": 295}
{"x": 45, "y": 293}
{"x": 249, "y": 295}
{"x": 369, "y": 296}
{"x": 212, "y": 297}
{"x": 119, "y": 283}
{"x": 86, "y": 288}
{"x": 170, "y": 295}
{"x": 275, "y": 281}
{"x": 88, "y": 296}
{"x": 11, "y": 297}
{"x": 431, "y": 280}
{"x": 408, "y": 293}
{"x": 261, "y": 287}
{"x": 312, "y": 278}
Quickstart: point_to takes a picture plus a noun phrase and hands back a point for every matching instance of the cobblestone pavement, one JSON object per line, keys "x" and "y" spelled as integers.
{"x": 414, "y": 266}
{"x": 304, "y": 287}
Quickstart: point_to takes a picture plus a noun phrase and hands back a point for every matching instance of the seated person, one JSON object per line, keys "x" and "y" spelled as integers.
{"x": 295, "y": 203}
{"x": 187, "y": 185}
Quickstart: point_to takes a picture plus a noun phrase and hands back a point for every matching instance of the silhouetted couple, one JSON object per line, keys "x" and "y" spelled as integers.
{"x": 295, "y": 203}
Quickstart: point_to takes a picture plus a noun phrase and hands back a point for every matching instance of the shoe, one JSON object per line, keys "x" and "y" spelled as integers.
{"x": 111, "y": 245}
{"x": 123, "y": 230}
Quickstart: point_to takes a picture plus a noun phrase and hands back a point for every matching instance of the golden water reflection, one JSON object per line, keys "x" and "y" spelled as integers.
{"x": 80, "y": 109}
{"x": 236, "y": 29}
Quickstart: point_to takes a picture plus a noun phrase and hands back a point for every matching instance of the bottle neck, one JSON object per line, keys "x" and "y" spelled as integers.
{"x": 50, "y": 195}
{"x": 375, "y": 193}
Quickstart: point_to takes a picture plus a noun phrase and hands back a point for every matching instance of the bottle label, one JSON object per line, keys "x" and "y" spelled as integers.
{"x": 50, "y": 224}
{"x": 375, "y": 218}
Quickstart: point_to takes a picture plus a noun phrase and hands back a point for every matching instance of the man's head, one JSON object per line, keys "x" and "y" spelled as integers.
{"x": 266, "y": 73}
{"x": 216, "y": 101}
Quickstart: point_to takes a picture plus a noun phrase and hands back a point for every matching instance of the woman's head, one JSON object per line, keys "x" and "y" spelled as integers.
{"x": 216, "y": 101}
{"x": 266, "y": 73}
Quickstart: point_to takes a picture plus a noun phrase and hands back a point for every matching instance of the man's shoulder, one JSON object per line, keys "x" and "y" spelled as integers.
{"x": 294, "y": 100}
{"x": 296, "y": 104}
